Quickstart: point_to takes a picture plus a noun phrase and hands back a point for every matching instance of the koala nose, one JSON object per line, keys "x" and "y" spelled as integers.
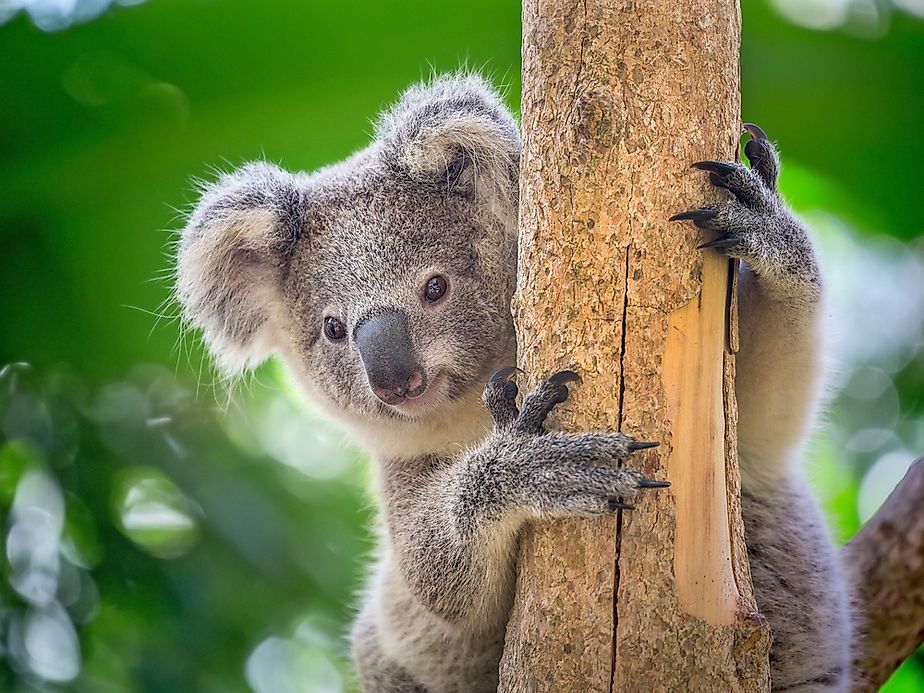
{"x": 391, "y": 364}
{"x": 412, "y": 387}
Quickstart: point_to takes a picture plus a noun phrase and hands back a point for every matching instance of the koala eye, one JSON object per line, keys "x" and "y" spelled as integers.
{"x": 334, "y": 329}
{"x": 435, "y": 288}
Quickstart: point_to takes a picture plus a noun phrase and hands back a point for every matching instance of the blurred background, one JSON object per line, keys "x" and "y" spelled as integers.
{"x": 166, "y": 533}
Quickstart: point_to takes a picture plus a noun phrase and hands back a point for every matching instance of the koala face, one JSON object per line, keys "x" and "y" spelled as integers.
{"x": 384, "y": 281}
{"x": 392, "y": 309}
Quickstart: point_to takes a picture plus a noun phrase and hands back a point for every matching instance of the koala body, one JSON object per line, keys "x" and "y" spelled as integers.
{"x": 384, "y": 283}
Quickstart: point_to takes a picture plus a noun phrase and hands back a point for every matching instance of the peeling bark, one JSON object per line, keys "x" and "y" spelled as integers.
{"x": 618, "y": 99}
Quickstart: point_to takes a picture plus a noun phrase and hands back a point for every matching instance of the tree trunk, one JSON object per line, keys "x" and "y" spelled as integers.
{"x": 618, "y": 99}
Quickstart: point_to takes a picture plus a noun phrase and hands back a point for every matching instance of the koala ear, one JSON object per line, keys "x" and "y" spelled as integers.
{"x": 454, "y": 133}
{"x": 231, "y": 259}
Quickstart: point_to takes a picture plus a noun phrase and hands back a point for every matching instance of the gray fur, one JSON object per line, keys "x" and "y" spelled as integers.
{"x": 267, "y": 255}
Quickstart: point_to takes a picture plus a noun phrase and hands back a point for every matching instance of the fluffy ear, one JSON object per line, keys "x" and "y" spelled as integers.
{"x": 454, "y": 133}
{"x": 231, "y": 258}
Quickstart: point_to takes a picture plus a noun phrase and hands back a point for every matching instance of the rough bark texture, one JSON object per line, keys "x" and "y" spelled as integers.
{"x": 887, "y": 557}
{"x": 618, "y": 99}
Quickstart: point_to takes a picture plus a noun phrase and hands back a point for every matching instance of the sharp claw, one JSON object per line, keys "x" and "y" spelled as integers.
{"x": 759, "y": 151}
{"x": 720, "y": 243}
{"x": 753, "y": 150}
{"x": 696, "y": 215}
{"x": 563, "y": 377}
{"x": 642, "y": 445}
{"x": 614, "y": 504}
{"x": 651, "y": 483}
{"x": 504, "y": 374}
{"x": 756, "y": 132}
{"x": 720, "y": 167}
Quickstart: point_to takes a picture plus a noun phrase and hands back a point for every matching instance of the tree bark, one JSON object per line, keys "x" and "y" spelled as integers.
{"x": 618, "y": 99}
{"x": 887, "y": 558}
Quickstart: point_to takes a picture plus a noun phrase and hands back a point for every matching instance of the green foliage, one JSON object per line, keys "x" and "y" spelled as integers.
{"x": 164, "y": 534}
{"x": 171, "y": 549}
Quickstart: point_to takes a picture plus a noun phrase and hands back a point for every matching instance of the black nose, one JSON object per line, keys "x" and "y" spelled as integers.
{"x": 392, "y": 367}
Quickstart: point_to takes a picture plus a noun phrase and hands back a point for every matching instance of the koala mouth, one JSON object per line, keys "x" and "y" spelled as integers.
{"x": 423, "y": 400}
{"x": 412, "y": 387}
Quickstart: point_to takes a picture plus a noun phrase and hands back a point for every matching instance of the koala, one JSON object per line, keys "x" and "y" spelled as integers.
{"x": 384, "y": 283}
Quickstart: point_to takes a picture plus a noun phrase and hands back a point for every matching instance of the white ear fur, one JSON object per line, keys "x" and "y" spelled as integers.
{"x": 455, "y": 133}
{"x": 230, "y": 262}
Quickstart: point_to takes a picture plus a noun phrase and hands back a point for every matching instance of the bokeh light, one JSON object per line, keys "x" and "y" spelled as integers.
{"x": 154, "y": 513}
{"x": 55, "y": 15}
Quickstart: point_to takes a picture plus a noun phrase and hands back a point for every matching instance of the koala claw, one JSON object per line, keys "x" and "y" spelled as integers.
{"x": 651, "y": 483}
{"x": 642, "y": 445}
{"x": 560, "y": 381}
{"x": 697, "y": 216}
{"x": 762, "y": 155}
{"x": 721, "y": 168}
{"x": 500, "y": 395}
{"x": 614, "y": 504}
{"x": 539, "y": 403}
{"x": 504, "y": 374}
{"x": 756, "y": 132}
{"x": 565, "y": 377}
{"x": 503, "y": 378}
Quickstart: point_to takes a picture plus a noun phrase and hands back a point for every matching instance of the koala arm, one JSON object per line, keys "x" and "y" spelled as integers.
{"x": 800, "y": 585}
{"x": 779, "y": 362}
{"x": 780, "y": 293}
{"x": 778, "y": 368}
{"x": 454, "y": 522}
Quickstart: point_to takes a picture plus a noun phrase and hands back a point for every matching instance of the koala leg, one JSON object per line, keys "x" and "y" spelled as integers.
{"x": 797, "y": 575}
{"x": 800, "y": 588}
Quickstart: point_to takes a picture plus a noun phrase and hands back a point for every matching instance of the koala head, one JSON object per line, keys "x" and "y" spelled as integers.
{"x": 384, "y": 281}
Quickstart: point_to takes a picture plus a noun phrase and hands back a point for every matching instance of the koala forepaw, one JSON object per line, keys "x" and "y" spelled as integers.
{"x": 762, "y": 155}
{"x": 565, "y": 474}
{"x": 754, "y": 190}
{"x": 500, "y": 399}
{"x": 500, "y": 396}
{"x": 755, "y": 226}
{"x": 582, "y": 483}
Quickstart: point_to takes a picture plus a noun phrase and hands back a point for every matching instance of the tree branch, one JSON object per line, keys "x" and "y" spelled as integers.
{"x": 887, "y": 559}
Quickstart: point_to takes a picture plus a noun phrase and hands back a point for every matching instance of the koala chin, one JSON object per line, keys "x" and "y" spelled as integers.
{"x": 384, "y": 283}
